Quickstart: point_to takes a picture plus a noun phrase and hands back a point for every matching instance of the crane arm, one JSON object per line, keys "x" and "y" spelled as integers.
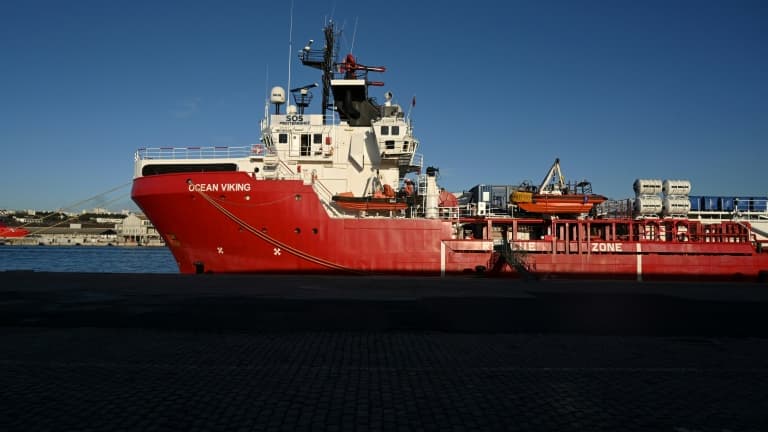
{"x": 554, "y": 173}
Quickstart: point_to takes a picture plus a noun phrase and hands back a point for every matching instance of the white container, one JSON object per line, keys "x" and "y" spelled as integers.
{"x": 676, "y": 187}
{"x": 647, "y": 187}
{"x": 648, "y": 205}
{"x": 677, "y": 206}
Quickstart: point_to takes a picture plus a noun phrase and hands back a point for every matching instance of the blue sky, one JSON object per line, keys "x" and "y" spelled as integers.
{"x": 618, "y": 90}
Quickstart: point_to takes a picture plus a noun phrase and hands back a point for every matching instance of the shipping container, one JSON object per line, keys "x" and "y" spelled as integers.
{"x": 695, "y": 203}
{"x": 726, "y": 204}
{"x": 741, "y": 203}
{"x": 759, "y": 204}
{"x": 709, "y": 203}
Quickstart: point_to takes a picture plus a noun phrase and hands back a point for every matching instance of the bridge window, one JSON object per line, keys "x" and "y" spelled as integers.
{"x": 282, "y": 138}
{"x": 395, "y": 130}
{"x": 390, "y": 144}
{"x": 317, "y": 139}
{"x": 385, "y": 130}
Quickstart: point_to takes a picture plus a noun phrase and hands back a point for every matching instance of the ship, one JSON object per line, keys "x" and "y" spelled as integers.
{"x": 344, "y": 190}
{"x": 12, "y": 232}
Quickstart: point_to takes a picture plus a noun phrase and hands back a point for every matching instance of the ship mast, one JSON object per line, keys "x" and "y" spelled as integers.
{"x": 324, "y": 60}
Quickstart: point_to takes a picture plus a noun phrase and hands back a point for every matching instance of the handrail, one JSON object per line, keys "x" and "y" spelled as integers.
{"x": 283, "y": 168}
{"x": 325, "y": 195}
{"x": 210, "y": 152}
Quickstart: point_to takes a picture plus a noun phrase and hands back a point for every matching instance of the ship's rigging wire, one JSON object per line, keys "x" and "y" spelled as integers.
{"x": 80, "y": 203}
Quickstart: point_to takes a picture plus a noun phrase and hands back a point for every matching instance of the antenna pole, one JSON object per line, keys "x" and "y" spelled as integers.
{"x": 354, "y": 34}
{"x": 266, "y": 94}
{"x": 290, "y": 46}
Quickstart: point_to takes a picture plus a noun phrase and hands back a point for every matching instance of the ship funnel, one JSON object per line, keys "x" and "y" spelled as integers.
{"x": 432, "y": 193}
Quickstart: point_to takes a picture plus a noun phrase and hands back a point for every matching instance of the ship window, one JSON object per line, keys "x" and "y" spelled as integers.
{"x": 390, "y": 144}
{"x": 395, "y": 130}
{"x": 149, "y": 170}
{"x": 385, "y": 130}
{"x": 283, "y": 138}
{"x": 317, "y": 139}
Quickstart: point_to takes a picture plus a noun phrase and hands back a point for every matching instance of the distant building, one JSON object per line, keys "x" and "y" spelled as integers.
{"x": 108, "y": 220}
{"x": 28, "y": 220}
{"x": 138, "y": 229}
{"x": 72, "y": 235}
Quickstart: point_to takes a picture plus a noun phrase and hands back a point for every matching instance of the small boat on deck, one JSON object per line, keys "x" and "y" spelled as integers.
{"x": 555, "y": 196}
{"x": 561, "y": 204}
{"x": 369, "y": 203}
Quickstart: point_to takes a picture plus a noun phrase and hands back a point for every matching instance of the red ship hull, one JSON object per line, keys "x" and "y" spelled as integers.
{"x": 280, "y": 226}
{"x": 9, "y": 232}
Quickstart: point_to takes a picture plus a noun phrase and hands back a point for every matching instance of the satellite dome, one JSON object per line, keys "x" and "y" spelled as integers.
{"x": 277, "y": 95}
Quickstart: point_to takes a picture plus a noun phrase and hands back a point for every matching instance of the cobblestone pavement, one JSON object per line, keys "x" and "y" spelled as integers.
{"x": 85, "y": 352}
{"x": 83, "y": 379}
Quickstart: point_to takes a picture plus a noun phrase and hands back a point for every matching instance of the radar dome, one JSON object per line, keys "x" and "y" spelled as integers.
{"x": 277, "y": 95}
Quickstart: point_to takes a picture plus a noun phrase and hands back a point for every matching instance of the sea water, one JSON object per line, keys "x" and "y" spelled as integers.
{"x": 90, "y": 259}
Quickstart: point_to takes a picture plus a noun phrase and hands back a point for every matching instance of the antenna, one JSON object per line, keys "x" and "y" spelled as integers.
{"x": 266, "y": 92}
{"x": 290, "y": 46}
{"x": 354, "y": 33}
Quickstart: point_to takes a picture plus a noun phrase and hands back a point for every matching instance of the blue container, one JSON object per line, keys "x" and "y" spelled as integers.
{"x": 759, "y": 204}
{"x": 710, "y": 203}
{"x": 741, "y": 203}
{"x": 695, "y": 202}
{"x": 726, "y": 204}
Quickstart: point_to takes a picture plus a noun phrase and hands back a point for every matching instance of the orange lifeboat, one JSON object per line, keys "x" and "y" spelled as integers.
{"x": 561, "y": 204}
{"x": 346, "y": 201}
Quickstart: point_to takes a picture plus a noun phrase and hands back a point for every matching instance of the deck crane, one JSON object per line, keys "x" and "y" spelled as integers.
{"x": 554, "y": 181}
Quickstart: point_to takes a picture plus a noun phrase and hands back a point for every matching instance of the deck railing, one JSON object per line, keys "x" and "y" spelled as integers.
{"x": 214, "y": 152}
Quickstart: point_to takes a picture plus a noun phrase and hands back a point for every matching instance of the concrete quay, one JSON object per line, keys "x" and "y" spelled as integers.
{"x": 252, "y": 352}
